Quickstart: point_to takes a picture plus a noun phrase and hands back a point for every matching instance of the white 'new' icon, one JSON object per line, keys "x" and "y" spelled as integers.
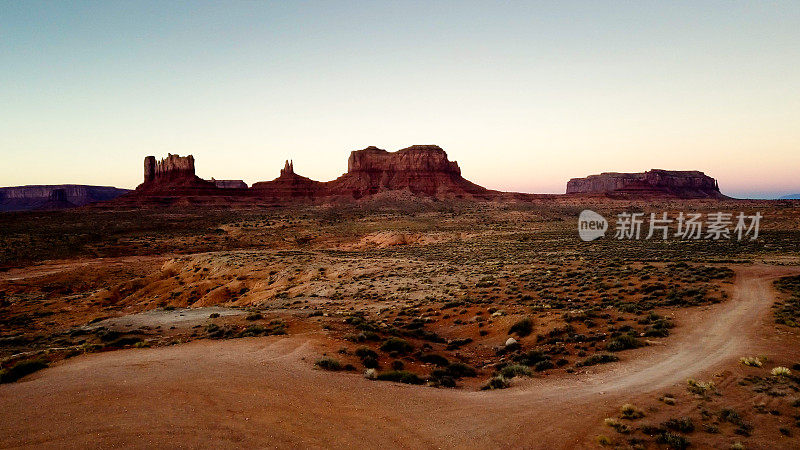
{"x": 591, "y": 225}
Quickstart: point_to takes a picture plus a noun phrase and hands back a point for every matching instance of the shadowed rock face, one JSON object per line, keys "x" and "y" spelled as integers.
{"x": 58, "y": 195}
{"x": 171, "y": 168}
{"x": 57, "y": 200}
{"x": 656, "y": 182}
{"x": 230, "y": 184}
{"x": 173, "y": 173}
{"x": 289, "y": 185}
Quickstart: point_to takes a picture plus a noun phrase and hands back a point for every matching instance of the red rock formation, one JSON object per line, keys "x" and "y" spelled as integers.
{"x": 288, "y": 169}
{"x": 289, "y": 186}
{"x": 171, "y": 171}
{"x": 173, "y": 181}
{"x": 173, "y": 174}
{"x": 656, "y": 182}
{"x": 420, "y": 169}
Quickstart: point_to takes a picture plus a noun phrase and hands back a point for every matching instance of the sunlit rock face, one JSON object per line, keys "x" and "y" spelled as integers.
{"x": 420, "y": 169}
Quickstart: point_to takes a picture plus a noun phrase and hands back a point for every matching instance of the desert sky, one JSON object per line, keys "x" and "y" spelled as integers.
{"x": 524, "y": 95}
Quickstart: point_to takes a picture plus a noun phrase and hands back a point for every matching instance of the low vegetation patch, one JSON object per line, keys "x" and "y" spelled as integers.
{"x": 21, "y": 369}
{"x": 515, "y": 370}
{"x": 400, "y": 376}
{"x": 618, "y": 426}
{"x": 432, "y": 358}
{"x": 700, "y": 387}
{"x": 522, "y": 328}
{"x": 630, "y": 412}
{"x": 750, "y": 361}
{"x": 673, "y": 441}
{"x": 788, "y": 312}
{"x": 497, "y": 382}
{"x": 781, "y": 372}
{"x": 599, "y": 358}
{"x": 624, "y": 342}
{"x": 398, "y": 345}
{"x": 682, "y": 424}
{"x": 329, "y": 364}
{"x": 460, "y": 370}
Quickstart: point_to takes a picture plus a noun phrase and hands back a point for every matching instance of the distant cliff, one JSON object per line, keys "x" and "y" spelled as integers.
{"x": 656, "y": 182}
{"x": 23, "y": 198}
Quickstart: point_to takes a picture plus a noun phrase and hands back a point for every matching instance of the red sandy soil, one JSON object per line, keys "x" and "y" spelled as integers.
{"x": 54, "y": 267}
{"x": 263, "y": 392}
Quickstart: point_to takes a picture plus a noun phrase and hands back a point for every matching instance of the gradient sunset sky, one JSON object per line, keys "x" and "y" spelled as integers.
{"x": 524, "y": 95}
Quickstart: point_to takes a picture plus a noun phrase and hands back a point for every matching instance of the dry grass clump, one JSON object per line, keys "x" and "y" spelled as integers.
{"x": 400, "y": 376}
{"x": 329, "y": 364}
{"x": 497, "y": 382}
{"x": 618, "y": 426}
{"x": 515, "y": 370}
{"x": 700, "y": 387}
{"x": 599, "y": 358}
{"x": 682, "y": 424}
{"x": 522, "y": 328}
{"x": 781, "y": 372}
{"x": 630, "y": 412}
{"x": 604, "y": 441}
{"x": 751, "y": 361}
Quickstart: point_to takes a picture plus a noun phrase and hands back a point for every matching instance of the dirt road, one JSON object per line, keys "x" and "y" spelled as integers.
{"x": 263, "y": 392}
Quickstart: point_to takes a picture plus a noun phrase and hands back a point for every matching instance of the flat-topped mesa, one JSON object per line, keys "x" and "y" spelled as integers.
{"x": 420, "y": 169}
{"x": 417, "y": 158}
{"x": 656, "y": 182}
{"x": 22, "y": 198}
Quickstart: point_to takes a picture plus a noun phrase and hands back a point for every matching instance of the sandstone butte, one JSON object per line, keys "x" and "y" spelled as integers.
{"x": 419, "y": 170}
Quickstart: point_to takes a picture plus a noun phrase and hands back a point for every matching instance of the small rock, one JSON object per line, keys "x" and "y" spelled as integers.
{"x": 510, "y": 341}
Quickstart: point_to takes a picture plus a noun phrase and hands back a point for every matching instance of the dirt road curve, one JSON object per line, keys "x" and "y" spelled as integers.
{"x": 260, "y": 393}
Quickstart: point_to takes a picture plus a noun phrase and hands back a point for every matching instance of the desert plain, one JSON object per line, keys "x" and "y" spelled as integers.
{"x": 398, "y": 321}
